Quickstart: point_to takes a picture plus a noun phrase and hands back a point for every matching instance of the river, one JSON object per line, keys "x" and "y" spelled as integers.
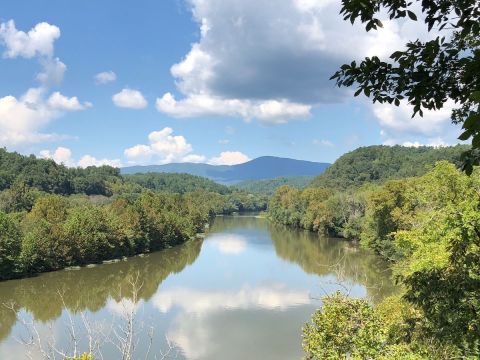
{"x": 243, "y": 292}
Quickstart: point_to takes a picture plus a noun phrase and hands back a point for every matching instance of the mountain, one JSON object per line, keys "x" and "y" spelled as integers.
{"x": 265, "y": 167}
{"x": 380, "y": 163}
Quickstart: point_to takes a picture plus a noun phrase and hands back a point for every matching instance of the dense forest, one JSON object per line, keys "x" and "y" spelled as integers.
{"x": 45, "y": 175}
{"x": 268, "y": 186}
{"x": 428, "y": 227}
{"x": 52, "y": 217}
{"x": 375, "y": 164}
{"x": 177, "y": 183}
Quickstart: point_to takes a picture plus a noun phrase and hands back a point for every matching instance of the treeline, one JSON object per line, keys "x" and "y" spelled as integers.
{"x": 376, "y": 164}
{"x": 60, "y": 232}
{"x": 177, "y": 183}
{"x": 269, "y": 186}
{"x": 46, "y": 225}
{"x": 429, "y": 227}
{"x": 48, "y": 176}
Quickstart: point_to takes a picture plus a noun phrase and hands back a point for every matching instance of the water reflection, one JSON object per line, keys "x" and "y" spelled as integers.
{"x": 349, "y": 263}
{"x": 248, "y": 290}
{"x": 90, "y": 288}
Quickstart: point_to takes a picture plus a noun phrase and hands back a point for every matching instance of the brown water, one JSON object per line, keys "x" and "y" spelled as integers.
{"x": 244, "y": 292}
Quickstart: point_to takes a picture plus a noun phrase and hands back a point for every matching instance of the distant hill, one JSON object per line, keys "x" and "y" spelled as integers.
{"x": 265, "y": 167}
{"x": 268, "y": 186}
{"x": 380, "y": 163}
{"x": 176, "y": 183}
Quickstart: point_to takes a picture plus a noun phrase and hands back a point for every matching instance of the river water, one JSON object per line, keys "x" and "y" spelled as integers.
{"x": 244, "y": 292}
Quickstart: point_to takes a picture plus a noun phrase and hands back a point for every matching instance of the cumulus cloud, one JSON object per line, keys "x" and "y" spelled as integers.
{"x": 400, "y": 118}
{"x": 53, "y": 71}
{"x": 39, "y": 43}
{"x": 436, "y": 142}
{"x": 398, "y": 126}
{"x": 229, "y": 158}
{"x": 202, "y": 302}
{"x": 88, "y": 160}
{"x": 272, "y": 63}
{"x": 163, "y": 148}
{"x": 63, "y": 155}
{"x": 22, "y": 119}
{"x": 269, "y": 111}
{"x": 61, "y": 102}
{"x": 36, "y": 42}
{"x": 105, "y": 77}
{"x": 129, "y": 98}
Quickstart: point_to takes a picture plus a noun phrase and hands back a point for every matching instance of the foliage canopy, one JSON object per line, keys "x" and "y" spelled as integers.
{"x": 425, "y": 73}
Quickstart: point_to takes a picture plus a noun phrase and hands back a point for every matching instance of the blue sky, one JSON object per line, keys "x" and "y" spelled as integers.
{"x": 217, "y": 81}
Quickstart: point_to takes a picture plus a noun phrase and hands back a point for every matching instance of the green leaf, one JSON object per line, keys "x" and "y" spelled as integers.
{"x": 475, "y": 96}
{"x": 465, "y": 135}
{"x": 472, "y": 122}
{"x": 412, "y": 15}
{"x": 476, "y": 141}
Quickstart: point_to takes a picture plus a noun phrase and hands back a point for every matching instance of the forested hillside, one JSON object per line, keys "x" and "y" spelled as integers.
{"x": 427, "y": 227}
{"x": 375, "y": 164}
{"x": 52, "y": 216}
{"x": 268, "y": 186}
{"x": 177, "y": 183}
{"x": 45, "y": 175}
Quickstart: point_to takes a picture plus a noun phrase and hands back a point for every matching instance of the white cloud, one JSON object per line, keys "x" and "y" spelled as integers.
{"x": 229, "y": 158}
{"x": 53, "y": 71}
{"x": 63, "y": 156}
{"x": 88, "y": 160}
{"x": 37, "y": 42}
{"x": 323, "y": 142}
{"x": 129, "y": 98}
{"x": 399, "y": 119}
{"x": 105, "y": 77}
{"x": 269, "y": 111}
{"x": 434, "y": 142}
{"x": 123, "y": 307}
{"x": 203, "y": 302}
{"x": 163, "y": 148}
{"x": 61, "y": 102}
{"x": 229, "y": 244}
{"x": 398, "y": 126}
{"x": 22, "y": 119}
{"x": 193, "y": 158}
{"x": 272, "y": 63}
{"x": 224, "y": 141}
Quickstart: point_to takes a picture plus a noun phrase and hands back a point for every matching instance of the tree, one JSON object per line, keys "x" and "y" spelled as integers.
{"x": 19, "y": 197}
{"x": 9, "y": 246}
{"x": 429, "y": 73}
{"x": 344, "y": 328}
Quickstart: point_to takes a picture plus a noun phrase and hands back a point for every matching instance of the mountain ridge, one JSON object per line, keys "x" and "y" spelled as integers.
{"x": 264, "y": 167}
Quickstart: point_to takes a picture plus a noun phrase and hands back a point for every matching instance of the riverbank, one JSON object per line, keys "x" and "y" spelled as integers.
{"x": 250, "y": 275}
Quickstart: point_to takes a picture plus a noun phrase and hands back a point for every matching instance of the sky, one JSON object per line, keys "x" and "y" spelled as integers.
{"x": 88, "y": 82}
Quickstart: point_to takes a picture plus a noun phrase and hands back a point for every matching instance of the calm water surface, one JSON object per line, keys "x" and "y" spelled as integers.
{"x": 244, "y": 292}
